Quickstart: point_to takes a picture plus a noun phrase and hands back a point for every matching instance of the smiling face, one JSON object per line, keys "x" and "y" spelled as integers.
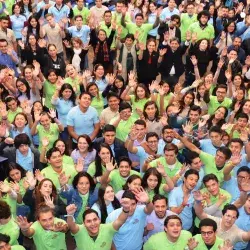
{"x": 55, "y": 160}
{"x": 136, "y": 183}
{"x": 15, "y": 175}
{"x": 173, "y": 228}
{"x": 20, "y": 121}
{"x": 104, "y": 154}
{"x": 208, "y": 235}
{"x": 71, "y": 71}
{"x": 229, "y": 218}
{"x": 160, "y": 207}
{"x": 191, "y": 181}
{"x": 140, "y": 92}
{"x": 124, "y": 169}
{"x": 109, "y": 194}
{"x": 45, "y": 121}
{"x": 83, "y": 185}
{"x": 212, "y": 187}
{"x": 46, "y": 220}
{"x": 151, "y": 46}
{"x": 61, "y": 146}
{"x": 92, "y": 224}
{"x": 93, "y": 90}
{"x": 220, "y": 113}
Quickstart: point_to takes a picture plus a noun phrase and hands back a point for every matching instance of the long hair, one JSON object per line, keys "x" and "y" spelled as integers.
{"x": 13, "y": 166}
{"x": 24, "y": 81}
{"x": 221, "y": 122}
{"x": 140, "y": 85}
{"x": 66, "y": 151}
{"x": 152, "y": 171}
{"x": 102, "y": 205}
{"x": 73, "y": 95}
{"x": 157, "y": 113}
{"x": 30, "y": 28}
{"x": 130, "y": 179}
{"x": 182, "y": 104}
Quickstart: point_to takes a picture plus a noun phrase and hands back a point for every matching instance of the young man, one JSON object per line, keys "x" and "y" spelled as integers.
{"x": 47, "y": 232}
{"x": 80, "y": 9}
{"x": 155, "y": 221}
{"x": 181, "y": 198}
{"x": 60, "y": 11}
{"x": 117, "y": 177}
{"x": 97, "y": 12}
{"x": 130, "y": 236}
{"x": 4, "y": 243}
{"x": 169, "y": 11}
{"x": 207, "y": 238}
{"x": 83, "y": 119}
{"x": 92, "y": 234}
{"x": 173, "y": 237}
{"x": 109, "y": 137}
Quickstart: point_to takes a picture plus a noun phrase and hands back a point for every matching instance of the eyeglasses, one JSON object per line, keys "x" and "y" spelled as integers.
{"x": 209, "y": 233}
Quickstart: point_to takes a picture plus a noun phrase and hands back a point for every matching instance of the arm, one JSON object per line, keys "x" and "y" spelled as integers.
{"x": 124, "y": 95}
{"x": 95, "y": 132}
{"x": 247, "y": 149}
{"x": 72, "y": 132}
{"x": 73, "y": 227}
{"x": 187, "y": 143}
{"x": 25, "y": 226}
{"x": 199, "y": 210}
{"x": 123, "y": 215}
{"x": 33, "y": 130}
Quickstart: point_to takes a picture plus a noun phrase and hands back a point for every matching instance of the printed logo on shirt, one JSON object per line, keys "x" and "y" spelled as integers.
{"x": 135, "y": 221}
{"x": 54, "y": 236}
{"x": 103, "y": 244}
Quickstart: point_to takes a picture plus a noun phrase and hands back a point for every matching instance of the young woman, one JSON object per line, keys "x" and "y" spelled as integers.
{"x": 26, "y": 8}
{"x": 152, "y": 182}
{"x": 47, "y": 129}
{"x": 243, "y": 108}
{"x": 151, "y": 15}
{"x": 82, "y": 193}
{"x": 133, "y": 182}
{"x": 103, "y": 156}
{"x": 12, "y": 108}
{"x": 138, "y": 100}
{"x": 99, "y": 77}
{"x": 84, "y": 152}
{"x": 33, "y": 27}
{"x": 107, "y": 202}
{"x": 64, "y": 99}
{"x": 44, "y": 192}
{"x": 199, "y": 95}
{"x": 27, "y": 93}
{"x": 218, "y": 118}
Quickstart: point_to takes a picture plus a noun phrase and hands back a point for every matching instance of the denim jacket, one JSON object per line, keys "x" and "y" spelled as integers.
{"x": 73, "y": 197}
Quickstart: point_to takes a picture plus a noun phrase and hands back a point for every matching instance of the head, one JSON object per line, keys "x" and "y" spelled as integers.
{"x": 4, "y": 22}
{"x": 78, "y": 21}
{"x": 232, "y": 55}
{"x": 119, "y": 6}
{"x": 246, "y": 206}
{"x": 230, "y": 27}
{"x": 194, "y": 161}
{"x": 246, "y": 107}
{"x": 152, "y": 7}
{"x": 190, "y": 7}
{"x": 5, "y": 212}
{"x": 211, "y": 183}
{"x": 71, "y": 71}
{"x": 174, "y": 43}
{"x": 203, "y": 17}
{"x": 237, "y": 41}
{"x": 45, "y": 216}
{"x": 139, "y": 19}
{"x": 129, "y": 195}
{"x": 104, "y": 153}
{"x": 240, "y": 94}
{"x": 102, "y": 35}
{"x": 61, "y": 145}
{"x": 4, "y": 242}
{"x": 28, "y": 72}
{"x": 52, "y": 50}
{"x": 141, "y": 129}
{"x": 151, "y": 111}
{"x": 91, "y": 221}
{"x": 83, "y": 183}
{"x": 230, "y": 214}
{"x": 188, "y": 99}
{"x": 152, "y": 140}
{"x": 167, "y": 134}
{"x": 84, "y": 144}
{"x": 194, "y": 114}
{"x": 15, "y": 172}
{"x": 46, "y": 188}
{"x": 50, "y": 19}
{"x": 133, "y": 182}
{"x": 98, "y": 3}
{"x": 203, "y": 44}
{"x": 67, "y": 93}
{"x": 119, "y": 82}
{"x": 54, "y": 157}
{"x": 85, "y": 100}
{"x": 20, "y": 120}
{"x": 22, "y": 143}
{"x": 141, "y": 92}
{"x": 113, "y": 101}
{"x": 215, "y": 134}
{"x": 151, "y": 45}
{"x": 242, "y": 173}
{"x": 125, "y": 110}
{"x": 37, "y": 107}
{"x": 52, "y": 76}
{"x": 45, "y": 120}
{"x": 160, "y": 205}
{"x": 170, "y": 153}
{"x": 107, "y": 16}
{"x": 98, "y": 71}
{"x": 171, "y": 4}
{"x": 33, "y": 22}
{"x": 125, "y": 165}
{"x": 16, "y": 9}
{"x": 191, "y": 178}
{"x": 242, "y": 120}
{"x": 77, "y": 42}
{"x": 222, "y": 155}
{"x": 11, "y": 103}
{"x": 151, "y": 180}
{"x": 3, "y": 46}
{"x": 173, "y": 227}
{"x": 208, "y": 228}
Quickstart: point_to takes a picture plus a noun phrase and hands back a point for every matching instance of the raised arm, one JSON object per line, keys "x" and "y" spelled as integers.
{"x": 73, "y": 227}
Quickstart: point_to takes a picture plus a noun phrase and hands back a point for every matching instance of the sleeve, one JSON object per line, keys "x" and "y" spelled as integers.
{"x": 70, "y": 120}
{"x": 97, "y": 209}
{"x": 206, "y": 158}
{"x": 91, "y": 170}
{"x": 172, "y": 202}
{"x": 149, "y": 244}
{"x": 153, "y": 164}
{"x": 96, "y": 118}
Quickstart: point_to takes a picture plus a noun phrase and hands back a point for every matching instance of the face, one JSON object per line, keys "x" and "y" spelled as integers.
{"x": 140, "y": 92}
{"x": 194, "y": 116}
{"x": 32, "y": 40}
{"x": 152, "y": 182}
{"x": 45, "y": 121}
{"x": 52, "y": 51}
{"x": 4, "y": 24}
{"x": 240, "y": 95}
{"x": 153, "y": 143}
{"x": 98, "y": 3}
{"x": 160, "y": 207}
{"x": 242, "y": 123}
{"x": 102, "y": 35}
{"x": 190, "y": 9}
{"x": 171, "y": 4}
{"x": 151, "y": 46}
{"x": 93, "y": 90}
{"x": 119, "y": 7}
{"x": 152, "y": 7}
{"x": 202, "y": 90}
{"x": 129, "y": 42}
{"x": 76, "y": 44}
{"x": 191, "y": 181}
{"x": 141, "y": 130}
{"x": 246, "y": 108}
{"x": 4, "y": 246}
{"x": 221, "y": 94}
{"x": 55, "y": 160}
{"x": 33, "y": 22}
{"x": 58, "y": 2}
{"x": 204, "y": 20}
{"x": 46, "y": 220}
{"x": 82, "y": 145}
{"x": 85, "y": 101}
{"x": 209, "y": 78}
{"x": 220, "y": 113}
{"x": 50, "y": 20}
{"x": 237, "y": 81}
{"x": 212, "y": 187}
{"x": 196, "y": 164}
{"x": 235, "y": 147}
{"x": 109, "y": 194}
{"x": 134, "y": 184}
{"x": 132, "y": 207}
{"x": 52, "y": 77}
{"x": 215, "y": 138}
{"x": 99, "y": 71}
{"x": 71, "y": 71}
{"x": 208, "y": 235}
{"x": 174, "y": 45}
{"x": 83, "y": 185}
{"x": 165, "y": 87}
{"x": 168, "y": 135}
{"x": 230, "y": 13}
{"x": 78, "y": 22}
{"x": 220, "y": 159}
{"x": 224, "y": 12}
{"x": 125, "y": 114}
{"x": 237, "y": 42}
{"x": 80, "y": 3}
{"x": 109, "y": 137}
{"x": 17, "y": 9}
{"x": 124, "y": 169}
{"x": 247, "y": 205}
{"x": 231, "y": 28}
{"x": 66, "y": 94}
{"x": 61, "y": 146}
{"x": 104, "y": 154}
{"x": 139, "y": 21}
{"x": 38, "y": 107}
{"x": 15, "y": 175}
{"x": 113, "y": 103}
{"x": 175, "y": 23}
{"x": 188, "y": 99}
{"x": 23, "y": 149}
{"x": 20, "y": 121}
{"x": 3, "y": 47}
{"x": 232, "y": 55}
{"x": 225, "y": 139}
{"x": 173, "y": 228}
{"x": 12, "y": 105}
{"x": 229, "y": 218}
{"x": 107, "y": 18}
{"x": 46, "y": 188}
{"x": 150, "y": 111}
{"x": 203, "y": 45}
{"x": 28, "y": 73}
{"x": 92, "y": 224}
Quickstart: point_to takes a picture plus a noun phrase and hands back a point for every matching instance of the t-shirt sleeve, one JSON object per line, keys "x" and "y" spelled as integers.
{"x": 206, "y": 158}
{"x": 172, "y": 201}
{"x": 91, "y": 170}
{"x": 96, "y": 118}
{"x": 70, "y": 121}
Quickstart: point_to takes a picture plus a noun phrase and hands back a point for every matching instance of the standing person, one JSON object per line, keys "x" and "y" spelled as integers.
{"x": 60, "y": 11}
{"x": 83, "y": 119}
{"x": 80, "y": 9}
{"x": 97, "y": 12}
{"x": 46, "y": 227}
{"x": 93, "y": 229}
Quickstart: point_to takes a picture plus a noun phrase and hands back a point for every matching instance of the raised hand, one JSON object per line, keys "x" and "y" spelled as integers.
{"x": 63, "y": 179}
{"x": 194, "y": 60}
{"x": 52, "y": 113}
{"x": 80, "y": 165}
{"x": 58, "y": 227}
{"x": 160, "y": 168}
{"x": 31, "y": 181}
{"x": 202, "y": 123}
{"x": 150, "y": 227}
{"x": 49, "y": 201}
{"x": 133, "y": 133}
{"x": 198, "y": 196}
{"x": 192, "y": 244}
{"x": 228, "y": 75}
{"x": 162, "y": 52}
{"x": 15, "y": 186}
{"x": 21, "y": 44}
{"x": 39, "y": 176}
{"x": 4, "y": 187}
{"x": 23, "y": 223}
{"x": 183, "y": 169}
{"x": 141, "y": 195}
{"x": 45, "y": 142}
{"x": 226, "y": 246}
{"x": 109, "y": 165}
{"x": 71, "y": 209}
{"x": 131, "y": 75}
{"x": 126, "y": 204}
{"x": 9, "y": 141}
{"x": 27, "y": 110}
{"x": 42, "y": 43}
{"x": 37, "y": 117}
{"x": 244, "y": 135}
{"x": 188, "y": 127}
{"x": 142, "y": 46}
{"x": 236, "y": 159}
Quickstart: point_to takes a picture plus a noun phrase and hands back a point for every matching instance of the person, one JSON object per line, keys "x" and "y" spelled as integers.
{"x": 4, "y": 243}
{"x": 155, "y": 221}
{"x": 173, "y": 237}
{"x": 83, "y": 119}
{"x": 97, "y": 12}
{"x": 47, "y": 225}
{"x": 60, "y": 11}
{"x": 130, "y": 236}
{"x": 169, "y": 11}
{"x": 92, "y": 227}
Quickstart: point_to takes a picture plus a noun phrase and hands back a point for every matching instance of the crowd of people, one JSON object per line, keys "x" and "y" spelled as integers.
{"x": 124, "y": 125}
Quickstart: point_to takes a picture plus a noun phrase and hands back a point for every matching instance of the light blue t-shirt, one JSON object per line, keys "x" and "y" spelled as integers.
{"x": 151, "y": 19}
{"x": 175, "y": 200}
{"x": 83, "y": 123}
{"x": 14, "y": 132}
{"x": 130, "y": 235}
{"x": 162, "y": 144}
{"x": 243, "y": 162}
{"x": 96, "y": 207}
{"x": 17, "y": 24}
{"x": 166, "y": 14}
{"x": 83, "y": 33}
{"x": 231, "y": 187}
{"x": 208, "y": 147}
{"x": 59, "y": 14}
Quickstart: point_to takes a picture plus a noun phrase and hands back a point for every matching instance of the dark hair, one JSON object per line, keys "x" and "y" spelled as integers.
{"x": 89, "y": 211}
{"x": 30, "y": 28}
{"x": 4, "y": 238}
{"x": 227, "y": 24}
{"x": 88, "y": 140}
{"x": 124, "y": 105}
{"x": 22, "y": 114}
{"x": 243, "y": 169}
{"x": 237, "y": 140}
{"x": 108, "y": 128}
{"x": 139, "y": 14}
{"x": 13, "y": 166}
{"x": 128, "y": 194}
{"x": 21, "y": 4}
{"x": 195, "y": 108}
{"x": 171, "y": 147}
{"x": 221, "y": 86}
{"x": 21, "y": 139}
{"x": 130, "y": 179}
{"x": 226, "y": 151}
{"x": 182, "y": 103}
{"x": 5, "y": 212}
{"x": 51, "y": 151}
{"x": 152, "y": 134}
{"x": 221, "y": 122}
{"x": 191, "y": 171}
{"x": 107, "y": 11}
{"x": 88, "y": 176}
{"x": 140, "y": 122}
{"x": 4, "y": 92}
{"x": 130, "y": 36}
{"x": 3, "y": 40}
{"x": 102, "y": 205}
{"x": 243, "y": 116}
{"x": 98, "y": 161}
{"x": 84, "y": 93}
{"x": 10, "y": 98}
{"x": 208, "y": 223}
{"x": 24, "y": 81}
{"x": 203, "y": 13}
{"x": 215, "y": 129}
{"x": 4, "y": 18}
{"x": 172, "y": 217}
{"x": 209, "y": 177}
{"x": 32, "y": 110}
{"x": 140, "y": 85}
{"x": 230, "y": 207}
{"x": 43, "y": 208}
{"x": 73, "y": 95}
{"x": 78, "y": 16}
{"x": 66, "y": 151}
{"x": 191, "y": 156}
{"x": 152, "y": 171}
{"x": 173, "y": 17}
{"x": 112, "y": 94}
{"x": 157, "y": 113}
{"x": 126, "y": 159}
{"x": 115, "y": 89}
{"x": 158, "y": 197}
{"x": 166, "y": 127}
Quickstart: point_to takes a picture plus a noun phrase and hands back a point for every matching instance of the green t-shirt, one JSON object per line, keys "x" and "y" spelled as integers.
{"x": 48, "y": 240}
{"x": 84, "y": 12}
{"x": 170, "y": 171}
{"x": 16, "y": 247}
{"x": 11, "y": 115}
{"x": 92, "y": 169}
{"x": 52, "y": 134}
{"x": 84, "y": 198}
{"x": 98, "y": 104}
{"x": 186, "y": 21}
{"x": 167, "y": 98}
{"x": 202, "y": 245}
{"x": 102, "y": 242}
{"x": 160, "y": 241}
{"x": 50, "y": 173}
{"x": 117, "y": 181}
{"x": 151, "y": 193}
{"x": 11, "y": 229}
{"x": 137, "y": 105}
{"x": 214, "y": 104}
{"x": 117, "y": 17}
{"x": 210, "y": 166}
{"x": 11, "y": 202}
{"x": 75, "y": 83}
{"x": 206, "y": 33}
{"x": 48, "y": 89}
{"x": 67, "y": 160}
{"x": 108, "y": 30}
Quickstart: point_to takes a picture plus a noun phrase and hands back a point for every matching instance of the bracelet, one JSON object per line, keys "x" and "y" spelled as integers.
{"x": 25, "y": 230}
{"x": 70, "y": 215}
{"x": 126, "y": 212}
